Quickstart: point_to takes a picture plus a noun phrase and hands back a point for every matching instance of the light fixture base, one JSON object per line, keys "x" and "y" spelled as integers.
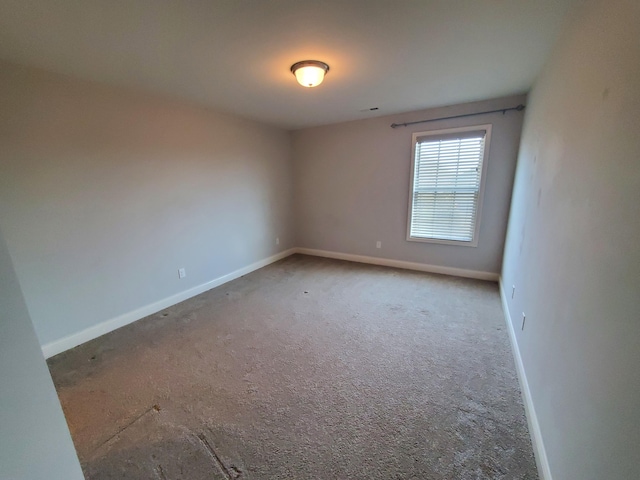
{"x": 309, "y": 73}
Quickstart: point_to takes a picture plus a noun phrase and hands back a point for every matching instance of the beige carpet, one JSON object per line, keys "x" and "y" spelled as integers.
{"x": 307, "y": 368}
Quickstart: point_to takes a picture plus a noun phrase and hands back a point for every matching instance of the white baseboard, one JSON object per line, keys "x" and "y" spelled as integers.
{"x": 75, "y": 339}
{"x": 422, "y": 267}
{"x": 539, "y": 451}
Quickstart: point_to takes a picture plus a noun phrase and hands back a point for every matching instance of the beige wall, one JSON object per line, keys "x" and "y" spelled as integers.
{"x": 352, "y": 186}
{"x": 34, "y": 440}
{"x": 572, "y": 246}
{"x": 105, "y": 193}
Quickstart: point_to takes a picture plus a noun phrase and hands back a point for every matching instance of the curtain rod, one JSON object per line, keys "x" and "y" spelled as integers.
{"x": 519, "y": 108}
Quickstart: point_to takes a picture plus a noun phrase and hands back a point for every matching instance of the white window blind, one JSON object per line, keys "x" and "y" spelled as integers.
{"x": 446, "y": 185}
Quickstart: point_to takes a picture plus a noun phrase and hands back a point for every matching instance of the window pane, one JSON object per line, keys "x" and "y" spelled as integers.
{"x": 446, "y": 185}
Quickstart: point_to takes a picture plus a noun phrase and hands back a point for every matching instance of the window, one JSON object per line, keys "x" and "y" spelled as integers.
{"x": 446, "y": 185}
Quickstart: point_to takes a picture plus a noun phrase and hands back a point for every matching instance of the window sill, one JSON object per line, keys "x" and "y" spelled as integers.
{"x": 460, "y": 243}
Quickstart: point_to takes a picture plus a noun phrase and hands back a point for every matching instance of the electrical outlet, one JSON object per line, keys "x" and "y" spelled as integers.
{"x": 513, "y": 291}
{"x": 277, "y": 240}
{"x": 378, "y": 244}
{"x": 182, "y": 273}
{"x": 524, "y": 318}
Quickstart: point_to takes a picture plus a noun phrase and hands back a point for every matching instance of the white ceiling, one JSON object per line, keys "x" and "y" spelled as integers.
{"x": 234, "y": 55}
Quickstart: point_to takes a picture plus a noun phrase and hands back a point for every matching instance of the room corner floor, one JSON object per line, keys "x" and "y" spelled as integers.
{"x": 307, "y": 368}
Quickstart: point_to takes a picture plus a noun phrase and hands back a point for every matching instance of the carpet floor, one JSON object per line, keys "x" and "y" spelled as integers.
{"x": 307, "y": 368}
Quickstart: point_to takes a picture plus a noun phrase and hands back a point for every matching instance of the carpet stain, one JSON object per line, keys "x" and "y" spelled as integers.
{"x": 160, "y": 473}
{"x": 154, "y": 408}
{"x": 232, "y": 472}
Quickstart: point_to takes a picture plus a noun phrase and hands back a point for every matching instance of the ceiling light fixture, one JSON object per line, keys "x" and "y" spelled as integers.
{"x": 309, "y": 73}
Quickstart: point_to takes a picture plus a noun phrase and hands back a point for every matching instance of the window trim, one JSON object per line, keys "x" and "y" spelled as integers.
{"x": 485, "y": 162}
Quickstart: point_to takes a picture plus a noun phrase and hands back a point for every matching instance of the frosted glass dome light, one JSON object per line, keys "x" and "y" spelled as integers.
{"x": 309, "y": 73}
